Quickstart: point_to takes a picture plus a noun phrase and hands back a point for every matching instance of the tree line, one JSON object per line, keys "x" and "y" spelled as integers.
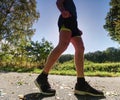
{"x": 111, "y": 54}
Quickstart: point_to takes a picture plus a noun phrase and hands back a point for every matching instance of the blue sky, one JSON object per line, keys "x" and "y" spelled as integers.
{"x": 91, "y": 18}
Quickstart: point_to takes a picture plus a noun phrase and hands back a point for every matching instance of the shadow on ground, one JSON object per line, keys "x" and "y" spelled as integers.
{"x": 39, "y": 96}
{"x": 87, "y": 97}
{"x": 35, "y": 96}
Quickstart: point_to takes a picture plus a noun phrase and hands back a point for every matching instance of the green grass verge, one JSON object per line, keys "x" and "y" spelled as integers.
{"x": 68, "y": 68}
{"x": 61, "y": 72}
{"x": 73, "y": 73}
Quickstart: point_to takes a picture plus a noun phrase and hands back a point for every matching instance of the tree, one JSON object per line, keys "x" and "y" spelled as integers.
{"x": 96, "y": 56}
{"x": 66, "y": 57}
{"x": 111, "y": 54}
{"x": 38, "y": 52}
{"x": 112, "y": 24}
{"x": 16, "y": 19}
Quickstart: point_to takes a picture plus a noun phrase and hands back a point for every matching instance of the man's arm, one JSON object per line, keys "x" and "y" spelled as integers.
{"x": 60, "y": 6}
{"x": 63, "y": 11}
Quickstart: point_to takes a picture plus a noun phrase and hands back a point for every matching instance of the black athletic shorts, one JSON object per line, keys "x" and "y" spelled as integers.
{"x": 69, "y": 24}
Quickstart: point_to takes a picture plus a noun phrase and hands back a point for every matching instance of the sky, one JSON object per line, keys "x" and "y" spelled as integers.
{"x": 91, "y": 18}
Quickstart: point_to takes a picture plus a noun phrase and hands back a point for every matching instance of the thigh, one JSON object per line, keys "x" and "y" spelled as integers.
{"x": 77, "y": 43}
{"x": 64, "y": 37}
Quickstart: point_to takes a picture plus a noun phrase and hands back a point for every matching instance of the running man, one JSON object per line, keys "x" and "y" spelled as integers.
{"x": 68, "y": 32}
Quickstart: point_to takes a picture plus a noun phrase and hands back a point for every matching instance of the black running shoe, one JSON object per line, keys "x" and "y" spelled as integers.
{"x": 44, "y": 87}
{"x": 86, "y": 89}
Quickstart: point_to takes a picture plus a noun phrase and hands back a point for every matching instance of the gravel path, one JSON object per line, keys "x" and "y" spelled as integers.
{"x": 13, "y": 85}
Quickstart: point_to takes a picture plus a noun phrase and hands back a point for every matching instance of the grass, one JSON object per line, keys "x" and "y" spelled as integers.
{"x": 73, "y": 73}
{"x": 100, "y": 74}
{"x": 62, "y": 72}
{"x": 68, "y": 68}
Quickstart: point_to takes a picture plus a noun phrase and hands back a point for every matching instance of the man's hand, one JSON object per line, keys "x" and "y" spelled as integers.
{"x": 66, "y": 14}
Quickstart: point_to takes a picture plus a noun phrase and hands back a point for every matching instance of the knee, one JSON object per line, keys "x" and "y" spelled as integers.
{"x": 83, "y": 48}
{"x": 62, "y": 47}
{"x": 80, "y": 49}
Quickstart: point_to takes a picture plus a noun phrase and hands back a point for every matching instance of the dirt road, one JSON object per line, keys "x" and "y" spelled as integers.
{"x": 13, "y": 85}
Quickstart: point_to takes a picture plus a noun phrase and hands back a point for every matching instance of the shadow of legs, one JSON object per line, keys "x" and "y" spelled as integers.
{"x": 88, "y": 97}
{"x": 35, "y": 96}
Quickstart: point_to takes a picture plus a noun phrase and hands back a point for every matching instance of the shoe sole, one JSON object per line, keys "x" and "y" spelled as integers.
{"x": 44, "y": 93}
{"x": 86, "y": 93}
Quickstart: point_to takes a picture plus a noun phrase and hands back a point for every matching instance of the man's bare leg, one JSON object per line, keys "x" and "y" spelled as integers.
{"x": 79, "y": 55}
{"x": 42, "y": 80}
{"x": 64, "y": 40}
{"x": 82, "y": 87}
